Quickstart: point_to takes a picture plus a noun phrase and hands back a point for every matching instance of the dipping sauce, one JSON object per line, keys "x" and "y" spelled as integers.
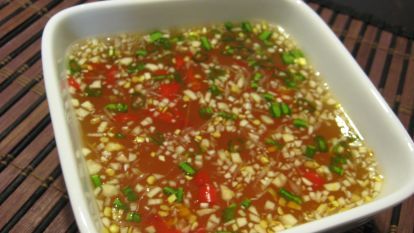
{"x": 223, "y": 128}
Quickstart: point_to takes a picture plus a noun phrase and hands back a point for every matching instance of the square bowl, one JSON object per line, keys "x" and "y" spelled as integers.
{"x": 374, "y": 119}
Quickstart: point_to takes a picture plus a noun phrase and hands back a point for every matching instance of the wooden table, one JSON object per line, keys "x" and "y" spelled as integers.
{"x": 33, "y": 196}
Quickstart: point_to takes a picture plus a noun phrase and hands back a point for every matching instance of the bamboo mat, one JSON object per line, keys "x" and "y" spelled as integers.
{"x": 33, "y": 196}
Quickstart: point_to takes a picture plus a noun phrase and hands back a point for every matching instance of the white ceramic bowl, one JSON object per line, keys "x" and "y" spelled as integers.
{"x": 371, "y": 114}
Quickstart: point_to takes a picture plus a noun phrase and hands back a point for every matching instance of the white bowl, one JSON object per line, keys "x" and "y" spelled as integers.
{"x": 370, "y": 113}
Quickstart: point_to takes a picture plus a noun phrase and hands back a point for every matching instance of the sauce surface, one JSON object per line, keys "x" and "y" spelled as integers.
{"x": 224, "y": 128}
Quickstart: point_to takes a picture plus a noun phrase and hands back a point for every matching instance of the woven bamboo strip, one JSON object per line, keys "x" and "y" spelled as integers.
{"x": 395, "y": 72}
{"x": 62, "y": 221}
{"x": 23, "y": 129}
{"x": 22, "y": 194}
{"x": 38, "y": 211}
{"x": 379, "y": 58}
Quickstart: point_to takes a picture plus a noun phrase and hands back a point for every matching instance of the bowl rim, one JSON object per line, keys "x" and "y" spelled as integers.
{"x": 72, "y": 180}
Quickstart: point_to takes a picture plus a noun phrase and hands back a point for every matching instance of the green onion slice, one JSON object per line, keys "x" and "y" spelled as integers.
{"x": 321, "y": 144}
{"x": 246, "y": 203}
{"x": 206, "y": 112}
{"x": 129, "y": 194}
{"x": 119, "y": 204}
{"x": 300, "y": 123}
{"x": 290, "y": 196}
{"x": 205, "y": 43}
{"x": 133, "y": 217}
{"x": 96, "y": 180}
{"x": 246, "y": 27}
{"x": 275, "y": 110}
{"x": 264, "y": 36}
{"x": 310, "y": 151}
{"x": 155, "y": 36}
{"x": 117, "y": 107}
{"x": 187, "y": 168}
{"x": 229, "y": 213}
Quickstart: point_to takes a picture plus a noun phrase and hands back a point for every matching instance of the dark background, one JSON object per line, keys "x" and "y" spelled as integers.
{"x": 396, "y": 15}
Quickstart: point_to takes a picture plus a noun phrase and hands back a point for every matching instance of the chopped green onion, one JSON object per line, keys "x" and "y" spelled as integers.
{"x": 162, "y": 77}
{"x": 117, "y": 107}
{"x": 229, "y": 213}
{"x": 133, "y": 217}
{"x": 269, "y": 97}
{"x": 257, "y": 76}
{"x": 290, "y": 83}
{"x": 298, "y": 77}
{"x": 119, "y": 204}
{"x": 157, "y": 138}
{"x": 206, "y": 112}
{"x": 290, "y": 196}
{"x": 169, "y": 191}
{"x": 155, "y": 36}
{"x": 129, "y": 193}
{"x": 135, "y": 68}
{"x": 296, "y": 53}
{"x": 228, "y": 50}
{"x": 228, "y": 116}
{"x": 246, "y": 203}
{"x": 287, "y": 58}
{"x": 336, "y": 169}
{"x": 338, "y": 159}
{"x": 300, "y": 123}
{"x": 264, "y": 36}
{"x": 271, "y": 141}
{"x": 119, "y": 135}
{"x": 214, "y": 90}
{"x": 141, "y": 52}
{"x": 246, "y": 27}
{"x": 228, "y": 26}
{"x": 96, "y": 180}
{"x": 205, "y": 43}
{"x": 74, "y": 67}
{"x": 285, "y": 109}
{"x": 164, "y": 42}
{"x": 180, "y": 195}
{"x": 187, "y": 168}
{"x": 275, "y": 110}
{"x": 310, "y": 151}
{"x": 321, "y": 144}
{"x": 93, "y": 92}
{"x": 252, "y": 63}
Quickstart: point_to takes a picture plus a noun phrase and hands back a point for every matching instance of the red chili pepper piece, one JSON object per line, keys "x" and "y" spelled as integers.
{"x": 314, "y": 177}
{"x": 207, "y": 194}
{"x": 72, "y": 82}
{"x": 110, "y": 75}
{"x": 165, "y": 117}
{"x": 202, "y": 178}
{"x": 179, "y": 62}
{"x": 125, "y": 117}
{"x": 170, "y": 90}
{"x": 192, "y": 82}
{"x": 160, "y": 225}
{"x": 160, "y": 72}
